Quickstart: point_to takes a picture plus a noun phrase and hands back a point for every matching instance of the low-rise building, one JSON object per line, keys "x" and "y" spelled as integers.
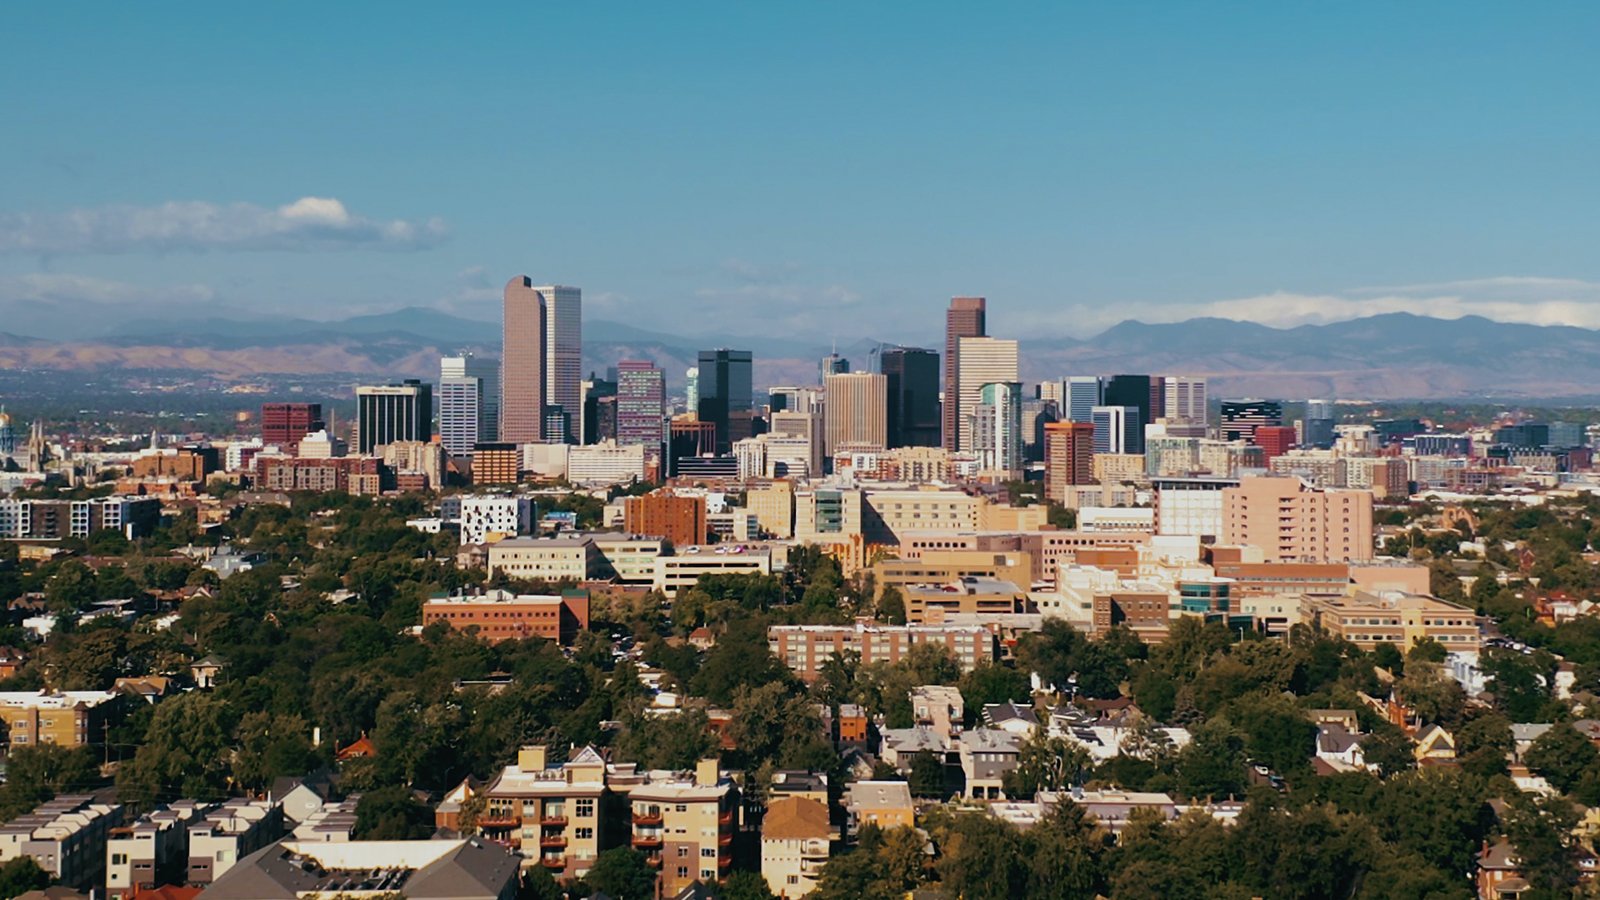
{"x": 885, "y": 804}
{"x": 464, "y": 869}
{"x": 152, "y": 851}
{"x": 805, "y": 649}
{"x": 628, "y": 558}
{"x": 969, "y": 595}
{"x": 66, "y": 837}
{"x": 493, "y": 517}
{"x": 684, "y": 823}
{"x": 1399, "y": 619}
{"x": 681, "y": 570}
{"x": 572, "y": 559}
{"x": 939, "y": 707}
{"x": 498, "y": 614}
{"x": 63, "y": 718}
{"x": 987, "y": 754}
{"x": 228, "y": 833}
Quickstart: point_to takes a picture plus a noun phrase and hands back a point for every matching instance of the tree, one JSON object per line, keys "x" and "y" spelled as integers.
{"x": 184, "y": 753}
{"x": 990, "y": 683}
{"x": 984, "y": 859}
{"x": 1483, "y": 742}
{"x": 271, "y": 746}
{"x": 927, "y": 775}
{"x": 1540, "y": 830}
{"x": 623, "y": 873}
{"x": 892, "y": 606}
{"x": 392, "y": 814}
{"x": 1562, "y": 756}
{"x": 1046, "y": 764}
{"x": 1434, "y": 695}
{"x": 1212, "y": 763}
{"x": 20, "y": 875}
{"x": 72, "y": 589}
{"x": 36, "y": 773}
{"x": 1277, "y": 732}
{"x": 745, "y": 886}
{"x": 1066, "y": 854}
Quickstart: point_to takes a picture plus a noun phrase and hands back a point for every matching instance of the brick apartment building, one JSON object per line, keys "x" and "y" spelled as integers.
{"x": 500, "y": 615}
{"x": 679, "y": 519}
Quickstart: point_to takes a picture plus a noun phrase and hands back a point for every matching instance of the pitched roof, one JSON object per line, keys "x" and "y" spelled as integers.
{"x": 1334, "y": 739}
{"x": 795, "y": 818}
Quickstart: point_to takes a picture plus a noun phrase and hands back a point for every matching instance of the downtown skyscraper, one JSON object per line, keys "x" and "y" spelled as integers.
{"x": 641, "y": 404}
{"x": 724, "y": 396}
{"x": 541, "y": 362}
{"x": 913, "y": 387}
{"x": 469, "y": 403}
{"x": 984, "y": 360}
{"x": 966, "y": 318}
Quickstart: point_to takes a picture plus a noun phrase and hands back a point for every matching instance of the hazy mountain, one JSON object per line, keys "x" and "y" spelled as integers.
{"x": 1388, "y": 356}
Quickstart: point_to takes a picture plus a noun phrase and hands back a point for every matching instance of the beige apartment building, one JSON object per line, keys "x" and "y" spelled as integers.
{"x": 153, "y": 850}
{"x": 545, "y": 559}
{"x": 683, "y": 823}
{"x": 1399, "y": 619}
{"x": 65, "y": 836}
{"x": 1292, "y": 521}
{"x": 796, "y": 840}
{"x": 564, "y": 816}
{"x": 560, "y": 816}
{"x": 223, "y": 836}
{"x": 805, "y": 649}
{"x": 945, "y": 566}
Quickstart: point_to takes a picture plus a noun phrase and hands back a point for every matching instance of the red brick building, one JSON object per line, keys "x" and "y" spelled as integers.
{"x": 501, "y": 615}
{"x": 1275, "y": 440}
{"x": 681, "y": 520}
{"x": 1068, "y": 457}
{"x": 285, "y": 424}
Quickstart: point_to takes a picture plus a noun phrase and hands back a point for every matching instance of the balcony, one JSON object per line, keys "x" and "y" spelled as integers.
{"x": 725, "y": 840}
{"x": 724, "y": 862}
{"x": 653, "y": 860}
{"x": 726, "y": 818}
{"x": 647, "y": 839}
{"x": 553, "y": 841}
{"x": 652, "y": 818}
{"x": 553, "y": 862}
{"x": 553, "y": 821}
{"x": 499, "y": 820}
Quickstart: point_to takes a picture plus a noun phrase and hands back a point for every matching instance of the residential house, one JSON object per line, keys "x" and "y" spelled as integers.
{"x": 229, "y": 833}
{"x": 796, "y": 838}
{"x": 987, "y": 755}
{"x": 303, "y": 795}
{"x": 1015, "y": 718}
{"x": 1339, "y": 749}
{"x": 939, "y": 707}
{"x": 885, "y": 804}
{"x": 66, "y": 837}
{"x": 1434, "y": 746}
{"x": 152, "y": 851}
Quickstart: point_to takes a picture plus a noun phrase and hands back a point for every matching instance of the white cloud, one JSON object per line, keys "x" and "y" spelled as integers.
{"x": 1528, "y": 300}
{"x": 309, "y": 223}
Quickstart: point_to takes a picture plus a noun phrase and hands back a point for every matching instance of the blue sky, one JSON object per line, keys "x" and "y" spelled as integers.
{"x": 829, "y": 169}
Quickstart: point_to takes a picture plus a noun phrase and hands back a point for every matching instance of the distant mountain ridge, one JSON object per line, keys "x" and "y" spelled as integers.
{"x": 1390, "y": 356}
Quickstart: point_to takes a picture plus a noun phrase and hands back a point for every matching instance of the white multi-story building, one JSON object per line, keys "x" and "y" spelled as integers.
{"x": 606, "y": 464}
{"x": 545, "y": 559}
{"x": 469, "y": 391}
{"x": 494, "y": 516}
{"x": 1191, "y": 506}
{"x": 984, "y": 360}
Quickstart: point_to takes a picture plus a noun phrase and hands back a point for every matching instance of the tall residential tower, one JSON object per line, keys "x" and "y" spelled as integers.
{"x": 966, "y": 318}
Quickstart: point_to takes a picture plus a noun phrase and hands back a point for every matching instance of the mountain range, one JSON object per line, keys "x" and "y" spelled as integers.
{"x": 1392, "y": 356}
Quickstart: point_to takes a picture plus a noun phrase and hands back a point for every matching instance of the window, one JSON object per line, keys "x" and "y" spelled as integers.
{"x": 584, "y": 807}
{"x": 682, "y": 852}
{"x": 683, "y": 871}
{"x": 708, "y": 852}
{"x": 794, "y": 879}
{"x": 118, "y": 859}
{"x": 584, "y": 834}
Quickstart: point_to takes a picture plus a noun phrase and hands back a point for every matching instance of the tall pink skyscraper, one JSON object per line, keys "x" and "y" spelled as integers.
{"x": 964, "y": 319}
{"x": 522, "y": 364}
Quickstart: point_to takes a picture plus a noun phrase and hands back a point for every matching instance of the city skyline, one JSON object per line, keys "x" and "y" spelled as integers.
{"x": 1139, "y": 167}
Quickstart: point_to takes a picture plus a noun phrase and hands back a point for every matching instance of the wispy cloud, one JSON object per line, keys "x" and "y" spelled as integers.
{"x": 59, "y": 289}
{"x": 1524, "y": 299}
{"x": 309, "y": 223}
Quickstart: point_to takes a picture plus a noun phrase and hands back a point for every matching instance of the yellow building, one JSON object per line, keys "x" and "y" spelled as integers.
{"x": 773, "y": 507}
{"x": 63, "y": 718}
{"x": 1402, "y": 620}
{"x": 944, "y": 566}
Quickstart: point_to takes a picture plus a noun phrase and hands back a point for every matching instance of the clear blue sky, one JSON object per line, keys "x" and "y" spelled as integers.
{"x": 835, "y": 168}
